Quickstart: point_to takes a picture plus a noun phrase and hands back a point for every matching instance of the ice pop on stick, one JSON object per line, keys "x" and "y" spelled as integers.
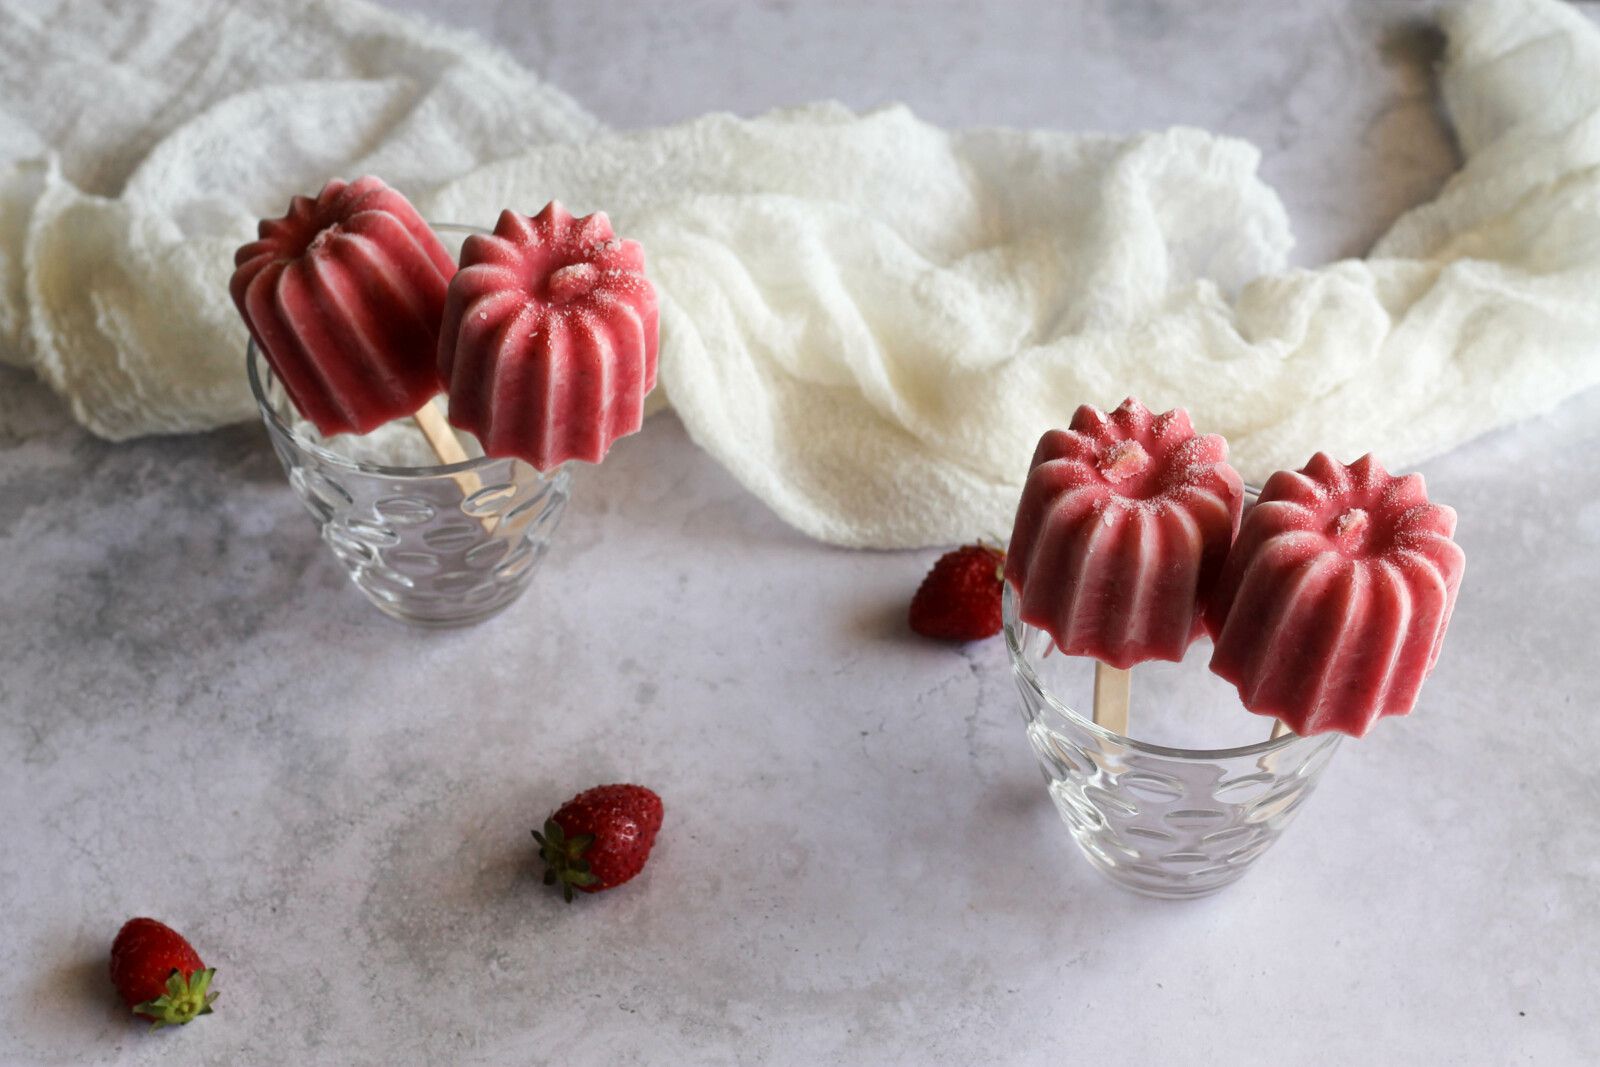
{"x": 344, "y": 295}
{"x": 1123, "y": 525}
{"x": 1333, "y": 604}
{"x": 549, "y": 339}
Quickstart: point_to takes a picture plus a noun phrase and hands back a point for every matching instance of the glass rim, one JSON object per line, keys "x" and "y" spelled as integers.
{"x": 274, "y": 421}
{"x": 1024, "y": 670}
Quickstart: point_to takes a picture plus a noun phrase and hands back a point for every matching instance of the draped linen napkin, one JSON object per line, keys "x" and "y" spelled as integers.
{"x": 867, "y": 319}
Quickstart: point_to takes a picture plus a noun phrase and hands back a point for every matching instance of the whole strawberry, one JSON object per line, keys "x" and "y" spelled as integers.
{"x": 159, "y": 974}
{"x": 959, "y": 600}
{"x": 600, "y": 838}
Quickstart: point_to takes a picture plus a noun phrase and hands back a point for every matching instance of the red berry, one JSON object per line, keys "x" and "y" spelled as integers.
{"x": 600, "y": 838}
{"x": 159, "y": 974}
{"x": 959, "y": 600}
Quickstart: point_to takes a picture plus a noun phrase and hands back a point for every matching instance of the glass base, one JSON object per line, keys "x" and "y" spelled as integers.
{"x": 447, "y": 620}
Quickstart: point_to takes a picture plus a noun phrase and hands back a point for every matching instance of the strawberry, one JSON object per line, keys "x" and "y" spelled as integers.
{"x": 600, "y": 838}
{"x": 959, "y": 600}
{"x": 159, "y": 974}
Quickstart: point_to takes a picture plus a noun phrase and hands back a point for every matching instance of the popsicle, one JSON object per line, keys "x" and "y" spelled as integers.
{"x": 1123, "y": 525}
{"x": 1332, "y": 605}
{"x": 344, "y": 295}
{"x": 549, "y": 339}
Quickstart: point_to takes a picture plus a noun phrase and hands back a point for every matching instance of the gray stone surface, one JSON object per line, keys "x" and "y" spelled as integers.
{"x": 200, "y": 719}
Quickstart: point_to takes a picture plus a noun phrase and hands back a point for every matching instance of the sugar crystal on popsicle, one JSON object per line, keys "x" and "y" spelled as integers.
{"x": 1123, "y": 524}
{"x": 344, "y": 294}
{"x": 549, "y": 339}
{"x": 1333, "y": 603}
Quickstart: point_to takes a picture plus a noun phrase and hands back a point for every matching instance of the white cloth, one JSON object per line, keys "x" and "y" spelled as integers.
{"x": 867, "y": 319}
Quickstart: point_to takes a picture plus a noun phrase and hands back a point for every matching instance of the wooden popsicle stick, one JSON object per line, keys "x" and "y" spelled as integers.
{"x": 443, "y": 442}
{"x": 1111, "y": 687}
{"x": 1278, "y": 729}
{"x": 441, "y": 438}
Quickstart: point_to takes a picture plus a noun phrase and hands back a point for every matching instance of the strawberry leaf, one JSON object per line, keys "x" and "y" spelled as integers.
{"x": 186, "y": 999}
{"x": 563, "y": 858}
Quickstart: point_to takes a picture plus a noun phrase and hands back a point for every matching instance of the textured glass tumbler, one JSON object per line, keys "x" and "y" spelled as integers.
{"x": 435, "y": 546}
{"x": 1167, "y": 822}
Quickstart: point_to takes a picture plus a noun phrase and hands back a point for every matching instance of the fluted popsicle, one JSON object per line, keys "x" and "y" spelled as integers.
{"x": 1333, "y": 603}
{"x": 549, "y": 340}
{"x": 344, "y": 296}
{"x": 1123, "y": 525}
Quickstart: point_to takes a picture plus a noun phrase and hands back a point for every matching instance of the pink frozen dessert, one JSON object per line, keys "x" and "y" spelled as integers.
{"x": 1333, "y": 604}
{"x": 549, "y": 339}
{"x": 344, "y": 295}
{"x": 1123, "y": 526}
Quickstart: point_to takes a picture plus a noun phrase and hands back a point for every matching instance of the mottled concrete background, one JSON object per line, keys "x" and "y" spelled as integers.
{"x": 200, "y": 720}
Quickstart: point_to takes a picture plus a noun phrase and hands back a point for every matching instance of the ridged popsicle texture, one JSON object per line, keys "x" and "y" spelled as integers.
{"x": 1123, "y": 525}
{"x": 1333, "y": 604}
{"x": 549, "y": 340}
{"x": 344, "y": 295}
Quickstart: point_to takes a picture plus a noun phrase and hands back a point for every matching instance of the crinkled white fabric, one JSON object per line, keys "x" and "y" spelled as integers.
{"x": 867, "y": 319}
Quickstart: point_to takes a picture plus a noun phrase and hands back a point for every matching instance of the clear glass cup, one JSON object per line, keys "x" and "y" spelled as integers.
{"x": 439, "y": 545}
{"x": 1160, "y": 820}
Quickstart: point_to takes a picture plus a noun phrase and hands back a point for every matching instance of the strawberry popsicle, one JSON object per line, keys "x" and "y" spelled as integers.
{"x": 549, "y": 339}
{"x": 1333, "y": 603}
{"x": 1123, "y": 525}
{"x": 344, "y": 295}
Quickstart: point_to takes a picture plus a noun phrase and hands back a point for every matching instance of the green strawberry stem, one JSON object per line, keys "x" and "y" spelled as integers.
{"x": 563, "y": 858}
{"x": 184, "y": 1000}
